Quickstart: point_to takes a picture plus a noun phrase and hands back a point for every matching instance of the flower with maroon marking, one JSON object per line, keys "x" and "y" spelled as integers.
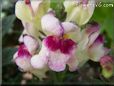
{"x": 30, "y": 42}
{"x": 55, "y": 53}
{"x": 22, "y": 58}
{"x": 90, "y": 47}
{"x": 56, "y": 49}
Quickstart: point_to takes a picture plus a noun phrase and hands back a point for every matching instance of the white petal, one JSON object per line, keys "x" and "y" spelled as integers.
{"x": 31, "y": 43}
{"x": 15, "y": 55}
{"x": 23, "y": 63}
{"x": 22, "y": 11}
{"x": 35, "y": 4}
{"x": 39, "y": 61}
{"x": 96, "y": 52}
{"x": 51, "y": 24}
{"x": 21, "y": 37}
{"x": 69, "y": 27}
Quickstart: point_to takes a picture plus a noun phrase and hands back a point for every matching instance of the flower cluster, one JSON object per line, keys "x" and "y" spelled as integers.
{"x": 64, "y": 43}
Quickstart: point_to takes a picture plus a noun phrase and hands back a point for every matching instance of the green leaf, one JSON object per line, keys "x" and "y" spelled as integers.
{"x": 7, "y": 54}
{"x": 7, "y": 24}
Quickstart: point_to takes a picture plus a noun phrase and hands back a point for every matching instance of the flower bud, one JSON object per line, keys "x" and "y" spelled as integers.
{"x": 106, "y": 63}
{"x": 79, "y": 11}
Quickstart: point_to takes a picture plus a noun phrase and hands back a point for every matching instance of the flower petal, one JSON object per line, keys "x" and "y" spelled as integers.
{"x": 78, "y": 13}
{"x": 78, "y": 59}
{"x": 23, "y": 63}
{"x": 89, "y": 35}
{"x": 35, "y": 4}
{"x": 40, "y": 73}
{"x": 22, "y": 58}
{"x": 22, "y": 11}
{"x": 51, "y": 24}
{"x": 31, "y": 43}
{"x": 21, "y": 40}
{"x": 57, "y": 61}
{"x": 96, "y": 51}
{"x": 39, "y": 61}
{"x": 69, "y": 27}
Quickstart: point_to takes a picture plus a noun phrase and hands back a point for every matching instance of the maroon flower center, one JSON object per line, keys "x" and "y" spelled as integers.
{"x": 22, "y": 51}
{"x": 67, "y": 45}
{"x": 54, "y": 43}
{"x": 27, "y": 1}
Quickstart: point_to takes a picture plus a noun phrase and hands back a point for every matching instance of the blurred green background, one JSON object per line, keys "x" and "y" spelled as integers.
{"x": 90, "y": 73}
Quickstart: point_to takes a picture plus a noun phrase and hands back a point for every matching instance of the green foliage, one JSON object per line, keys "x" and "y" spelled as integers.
{"x": 8, "y": 55}
{"x": 7, "y": 24}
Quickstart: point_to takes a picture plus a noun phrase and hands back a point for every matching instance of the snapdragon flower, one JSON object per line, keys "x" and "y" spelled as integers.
{"x": 90, "y": 47}
{"x": 23, "y": 56}
{"x": 56, "y": 49}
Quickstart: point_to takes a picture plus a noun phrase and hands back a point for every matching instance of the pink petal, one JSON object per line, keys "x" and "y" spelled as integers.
{"x": 89, "y": 35}
{"x": 92, "y": 27}
{"x": 93, "y": 32}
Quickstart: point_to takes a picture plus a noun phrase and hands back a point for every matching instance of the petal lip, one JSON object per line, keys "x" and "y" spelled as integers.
{"x": 57, "y": 68}
{"x": 38, "y": 61}
{"x": 57, "y": 61}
